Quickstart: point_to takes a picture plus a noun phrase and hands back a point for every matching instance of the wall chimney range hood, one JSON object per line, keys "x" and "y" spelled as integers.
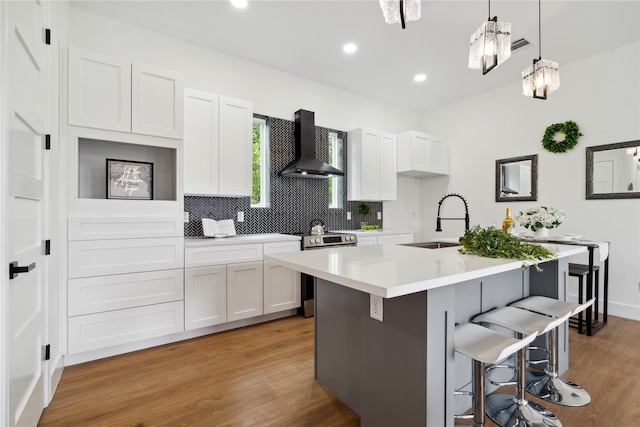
{"x": 305, "y": 164}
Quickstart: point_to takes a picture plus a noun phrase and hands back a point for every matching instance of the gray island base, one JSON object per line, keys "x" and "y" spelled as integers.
{"x": 403, "y": 371}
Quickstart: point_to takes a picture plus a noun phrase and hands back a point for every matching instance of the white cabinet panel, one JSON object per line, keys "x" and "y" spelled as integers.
{"x": 201, "y": 146}
{"x": 223, "y": 254}
{"x": 281, "y": 288}
{"x": 99, "y": 90}
{"x": 103, "y": 257}
{"x": 100, "y": 330}
{"x": 94, "y": 228}
{"x": 367, "y": 240}
{"x": 218, "y": 141}
{"x": 372, "y": 165}
{"x": 281, "y": 247}
{"x": 422, "y": 155}
{"x": 104, "y": 293}
{"x": 157, "y": 101}
{"x": 205, "y": 302}
{"x": 244, "y": 291}
{"x": 395, "y": 239}
{"x": 235, "y": 166}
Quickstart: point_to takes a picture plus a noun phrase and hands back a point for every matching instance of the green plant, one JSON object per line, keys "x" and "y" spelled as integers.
{"x": 494, "y": 243}
{"x": 364, "y": 209}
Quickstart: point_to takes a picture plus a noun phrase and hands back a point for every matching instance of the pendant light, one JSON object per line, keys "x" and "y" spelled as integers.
{"x": 542, "y": 77}
{"x": 395, "y": 11}
{"x": 490, "y": 45}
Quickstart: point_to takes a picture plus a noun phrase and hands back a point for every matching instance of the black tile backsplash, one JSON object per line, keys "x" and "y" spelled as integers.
{"x": 294, "y": 202}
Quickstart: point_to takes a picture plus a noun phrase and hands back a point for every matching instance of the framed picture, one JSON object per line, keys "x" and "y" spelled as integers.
{"x": 128, "y": 179}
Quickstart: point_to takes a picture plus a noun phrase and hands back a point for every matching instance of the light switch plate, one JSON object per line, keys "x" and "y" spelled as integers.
{"x": 240, "y": 216}
{"x": 348, "y": 216}
{"x": 186, "y": 217}
{"x": 379, "y": 215}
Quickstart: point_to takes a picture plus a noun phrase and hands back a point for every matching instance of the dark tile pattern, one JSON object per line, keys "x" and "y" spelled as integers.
{"x": 294, "y": 202}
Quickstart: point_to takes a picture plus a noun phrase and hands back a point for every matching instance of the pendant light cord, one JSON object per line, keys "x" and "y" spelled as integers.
{"x": 539, "y": 33}
{"x": 402, "y": 13}
{"x": 489, "y": 11}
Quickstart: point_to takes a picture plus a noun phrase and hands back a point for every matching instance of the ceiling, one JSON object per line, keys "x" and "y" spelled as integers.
{"x": 305, "y": 38}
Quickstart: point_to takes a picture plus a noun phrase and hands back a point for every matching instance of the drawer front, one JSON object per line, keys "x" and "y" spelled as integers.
{"x": 92, "y": 228}
{"x": 280, "y": 247}
{"x": 103, "y": 257}
{"x": 222, "y": 254}
{"x": 395, "y": 239}
{"x": 95, "y": 331}
{"x": 104, "y": 293}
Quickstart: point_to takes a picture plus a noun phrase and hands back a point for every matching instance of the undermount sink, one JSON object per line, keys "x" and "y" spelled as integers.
{"x": 432, "y": 245}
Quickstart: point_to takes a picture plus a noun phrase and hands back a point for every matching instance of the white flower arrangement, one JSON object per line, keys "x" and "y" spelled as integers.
{"x": 540, "y": 217}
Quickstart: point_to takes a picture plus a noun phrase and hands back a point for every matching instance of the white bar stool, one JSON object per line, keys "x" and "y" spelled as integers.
{"x": 484, "y": 346}
{"x": 509, "y": 410}
{"x": 548, "y": 385}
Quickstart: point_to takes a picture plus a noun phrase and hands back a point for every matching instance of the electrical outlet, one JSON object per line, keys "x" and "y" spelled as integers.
{"x": 186, "y": 217}
{"x": 348, "y": 216}
{"x": 379, "y": 216}
{"x": 375, "y": 308}
{"x": 240, "y": 216}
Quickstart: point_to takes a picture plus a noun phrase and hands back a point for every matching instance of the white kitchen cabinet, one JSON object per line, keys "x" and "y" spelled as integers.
{"x": 218, "y": 141}
{"x": 372, "y": 165}
{"x": 384, "y": 239}
{"x": 244, "y": 290}
{"x": 205, "y": 296}
{"x": 422, "y": 155}
{"x": 281, "y": 284}
{"x": 367, "y": 240}
{"x": 111, "y": 93}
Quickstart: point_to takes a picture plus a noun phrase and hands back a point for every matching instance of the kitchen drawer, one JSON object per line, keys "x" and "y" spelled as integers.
{"x": 395, "y": 239}
{"x": 89, "y": 258}
{"x": 98, "y": 228}
{"x": 280, "y": 247}
{"x": 222, "y": 254}
{"x": 95, "y": 331}
{"x": 97, "y": 294}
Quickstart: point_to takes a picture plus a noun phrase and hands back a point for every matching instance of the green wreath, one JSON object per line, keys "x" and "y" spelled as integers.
{"x": 571, "y": 134}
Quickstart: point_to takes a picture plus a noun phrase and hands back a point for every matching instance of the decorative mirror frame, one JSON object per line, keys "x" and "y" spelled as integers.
{"x": 534, "y": 179}
{"x": 589, "y": 175}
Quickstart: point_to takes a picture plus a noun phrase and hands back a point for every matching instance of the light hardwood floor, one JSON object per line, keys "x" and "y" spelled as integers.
{"x": 263, "y": 376}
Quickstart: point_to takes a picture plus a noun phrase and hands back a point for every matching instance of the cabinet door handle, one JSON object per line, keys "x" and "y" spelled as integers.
{"x": 14, "y": 269}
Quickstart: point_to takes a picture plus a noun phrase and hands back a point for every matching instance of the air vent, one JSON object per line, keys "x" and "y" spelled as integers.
{"x": 519, "y": 44}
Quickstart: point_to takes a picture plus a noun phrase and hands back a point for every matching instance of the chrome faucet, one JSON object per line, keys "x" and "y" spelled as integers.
{"x": 466, "y": 212}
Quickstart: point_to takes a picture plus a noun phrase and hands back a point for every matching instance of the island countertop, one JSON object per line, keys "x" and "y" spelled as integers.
{"x": 395, "y": 270}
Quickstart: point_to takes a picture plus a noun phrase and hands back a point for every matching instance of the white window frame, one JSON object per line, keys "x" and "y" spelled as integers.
{"x": 264, "y": 166}
{"x": 336, "y": 182}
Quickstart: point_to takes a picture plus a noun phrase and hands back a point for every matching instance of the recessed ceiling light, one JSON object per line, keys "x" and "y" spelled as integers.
{"x": 349, "y": 47}
{"x": 420, "y": 77}
{"x": 240, "y": 4}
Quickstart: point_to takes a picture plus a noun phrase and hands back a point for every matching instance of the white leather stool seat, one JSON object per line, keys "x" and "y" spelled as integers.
{"x": 522, "y": 321}
{"x": 551, "y": 306}
{"x": 487, "y": 346}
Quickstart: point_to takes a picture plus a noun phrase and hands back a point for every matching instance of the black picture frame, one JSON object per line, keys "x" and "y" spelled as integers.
{"x": 499, "y": 187}
{"x": 129, "y": 180}
{"x": 591, "y": 194}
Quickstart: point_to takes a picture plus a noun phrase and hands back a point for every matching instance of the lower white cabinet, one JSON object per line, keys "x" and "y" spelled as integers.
{"x": 281, "y": 284}
{"x": 385, "y": 239}
{"x": 205, "y": 296}
{"x": 244, "y": 290}
{"x": 100, "y": 330}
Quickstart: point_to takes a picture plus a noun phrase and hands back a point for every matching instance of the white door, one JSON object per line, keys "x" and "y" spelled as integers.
{"x": 603, "y": 177}
{"x": 26, "y": 116}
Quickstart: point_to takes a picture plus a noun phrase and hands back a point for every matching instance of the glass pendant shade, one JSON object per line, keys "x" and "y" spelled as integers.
{"x": 391, "y": 10}
{"x": 540, "y": 79}
{"x": 490, "y": 45}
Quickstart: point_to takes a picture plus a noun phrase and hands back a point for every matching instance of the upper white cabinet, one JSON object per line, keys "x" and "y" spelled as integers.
{"x": 107, "y": 92}
{"x": 217, "y": 145}
{"x": 422, "y": 155}
{"x": 372, "y": 165}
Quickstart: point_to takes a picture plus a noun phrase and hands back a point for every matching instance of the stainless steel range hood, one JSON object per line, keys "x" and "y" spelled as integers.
{"x": 305, "y": 164}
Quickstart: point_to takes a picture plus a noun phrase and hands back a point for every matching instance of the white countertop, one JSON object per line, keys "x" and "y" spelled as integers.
{"x": 395, "y": 270}
{"x": 239, "y": 239}
{"x": 373, "y": 232}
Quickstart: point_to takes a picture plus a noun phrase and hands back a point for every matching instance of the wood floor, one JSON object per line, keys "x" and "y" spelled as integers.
{"x": 263, "y": 376}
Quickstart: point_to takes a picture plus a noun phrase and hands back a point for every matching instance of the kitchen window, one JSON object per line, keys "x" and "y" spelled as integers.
{"x": 335, "y": 160}
{"x": 260, "y": 160}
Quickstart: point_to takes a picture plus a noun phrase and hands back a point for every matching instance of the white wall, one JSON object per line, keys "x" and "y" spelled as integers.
{"x": 273, "y": 93}
{"x": 602, "y": 95}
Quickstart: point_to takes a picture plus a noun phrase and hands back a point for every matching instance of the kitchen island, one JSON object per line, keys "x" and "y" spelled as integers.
{"x": 403, "y": 370}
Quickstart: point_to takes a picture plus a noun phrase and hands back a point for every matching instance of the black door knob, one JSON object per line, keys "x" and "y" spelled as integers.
{"x": 14, "y": 269}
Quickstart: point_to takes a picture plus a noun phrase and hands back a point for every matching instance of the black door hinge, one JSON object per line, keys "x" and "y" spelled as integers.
{"x": 47, "y": 36}
{"x": 47, "y": 247}
{"x": 47, "y": 352}
{"x": 47, "y": 142}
